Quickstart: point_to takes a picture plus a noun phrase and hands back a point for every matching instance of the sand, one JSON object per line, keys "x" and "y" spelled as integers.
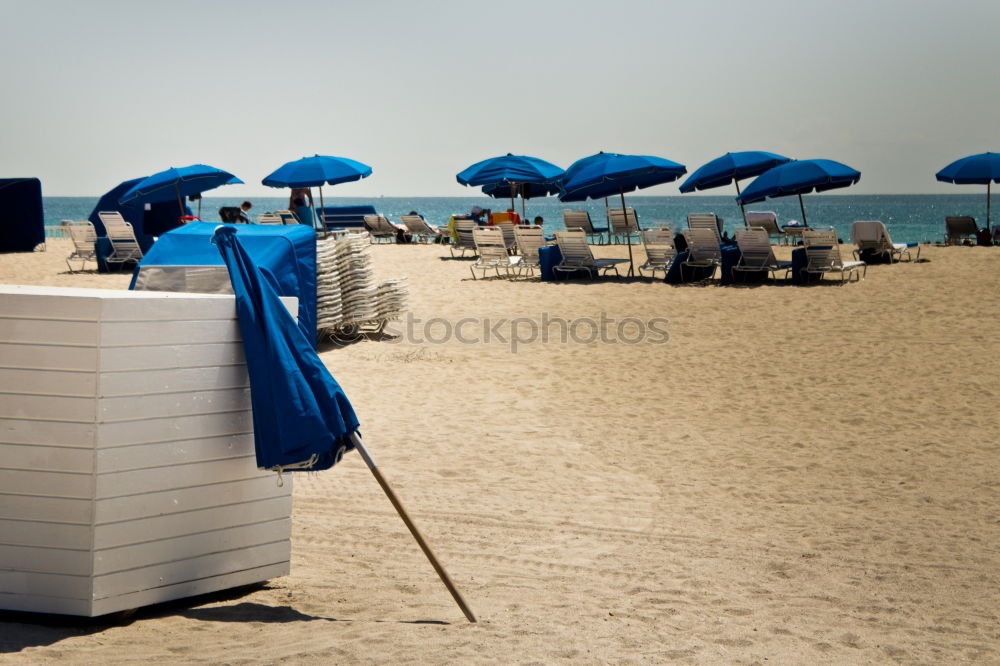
{"x": 787, "y": 475}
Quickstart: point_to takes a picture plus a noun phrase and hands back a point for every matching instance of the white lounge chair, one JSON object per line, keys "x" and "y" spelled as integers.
{"x": 872, "y": 236}
{"x": 623, "y": 223}
{"x": 419, "y": 229}
{"x": 706, "y": 221}
{"x": 380, "y": 228}
{"x": 703, "y": 250}
{"x": 269, "y": 218}
{"x": 84, "y": 244}
{"x": 529, "y": 239}
{"x": 768, "y": 221}
{"x": 124, "y": 245}
{"x": 288, "y": 217}
{"x": 492, "y": 251}
{"x": 756, "y": 254}
{"x": 823, "y": 256}
{"x": 580, "y": 219}
{"x": 660, "y": 251}
{"x": 464, "y": 240}
{"x": 509, "y": 239}
{"x": 576, "y": 255}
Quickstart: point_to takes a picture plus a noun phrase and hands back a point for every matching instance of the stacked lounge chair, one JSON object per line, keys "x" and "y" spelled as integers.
{"x": 347, "y": 295}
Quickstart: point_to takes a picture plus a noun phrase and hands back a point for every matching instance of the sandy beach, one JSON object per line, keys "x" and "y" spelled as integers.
{"x": 733, "y": 475}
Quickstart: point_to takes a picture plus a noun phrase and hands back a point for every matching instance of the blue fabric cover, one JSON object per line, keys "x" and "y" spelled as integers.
{"x": 286, "y": 253}
{"x": 975, "y": 170}
{"x": 23, "y": 218}
{"x": 347, "y": 216}
{"x": 316, "y": 171}
{"x": 299, "y": 409}
{"x": 510, "y": 169}
{"x": 178, "y": 182}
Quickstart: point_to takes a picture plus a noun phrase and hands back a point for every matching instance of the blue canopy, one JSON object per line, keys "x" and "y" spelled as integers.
{"x": 23, "y": 225}
{"x": 301, "y": 418}
{"x": 316, "y": 171}
{"x": 731, "y": 167}
{"x": 799, "y": 177}
{"x": 510, "y": 168}
{"x": 605, "y": 174}
{"x": 287, "y": 253}
{"x": 177, "y": 183}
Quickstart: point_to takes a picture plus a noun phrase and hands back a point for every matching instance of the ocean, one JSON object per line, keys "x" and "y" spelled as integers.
{"x": 909, "y": 217}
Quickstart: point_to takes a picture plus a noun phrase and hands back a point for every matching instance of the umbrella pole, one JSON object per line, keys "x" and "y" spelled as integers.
{"x": 988, "y": 184}
{"x": 180, "y": 202}
{"x": 742, "y": 207}
{"x": 628, "y": 232}
{"x": 322, "y": 205}
{"x": 387, "y": 489}
{"x": 805, "y": 222}
{"x": 607, "y": 218}
{"x": 513, "y": 188}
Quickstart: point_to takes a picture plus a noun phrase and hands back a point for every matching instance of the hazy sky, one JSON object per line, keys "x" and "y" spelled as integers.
{"x": 96, "y": 92}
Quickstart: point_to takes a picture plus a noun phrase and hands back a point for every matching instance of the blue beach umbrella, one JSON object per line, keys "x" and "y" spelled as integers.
{"x": 731, "y": 168}
{"x": 607, "y": 174}
{"x": 178, "y": 182}
{"x": 317, "y": 171}
{"x": 511, "y": 171}
{"x": 799, "y": 177}
{"x": 980, "y": 169}
{"x": 301, "y": 418}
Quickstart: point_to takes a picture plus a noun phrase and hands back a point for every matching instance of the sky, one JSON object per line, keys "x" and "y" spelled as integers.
{"x": 97, "y": 92}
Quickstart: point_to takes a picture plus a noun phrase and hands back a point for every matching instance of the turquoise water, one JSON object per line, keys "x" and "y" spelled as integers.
{"x": 909, "y": 217}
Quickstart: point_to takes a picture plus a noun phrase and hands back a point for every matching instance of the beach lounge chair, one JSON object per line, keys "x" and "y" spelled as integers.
{"x": 872, "y": 236}
{"x": 269, "y": 218}
{"x": 623, "y": 224}
{"x": 957, "y": 229}
{"x": 823, "y": 256}
{"x": 576, "y": 255}
{"x": 660, "y": 252}
{"x": 706, "y": 221}
{"x": 509, "y": 239}
{"x": 124, "y": 245}
{"x": 768, "y": 221}
{"x": 580, "y": 219}
{"x": 380, "y": 228}
{"x": 703, "y": 250}
{"x": 756, "y": 254}
{"x": 492, "y": 251}
{"x": 419, "y": 229}
{"x": 84, "y": 244}
{"x": 288, "y": 217}
{"x": 463, "y": 238}
{"x": 529, "y": 239}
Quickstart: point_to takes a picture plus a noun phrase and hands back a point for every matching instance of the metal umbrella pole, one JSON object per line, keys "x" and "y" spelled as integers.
{"x": 390, "y": 493}
{"x": 742, "y": 207}
{"x": 628, "y": 231}
{"x": 805, "y": 223}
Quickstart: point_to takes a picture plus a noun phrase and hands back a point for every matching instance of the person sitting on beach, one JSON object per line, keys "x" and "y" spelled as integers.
{"x": 538, "y": 221}
{"x": 244, "y": 214}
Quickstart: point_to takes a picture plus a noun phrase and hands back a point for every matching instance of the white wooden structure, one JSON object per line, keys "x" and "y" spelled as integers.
{"x": 127, "y": 468}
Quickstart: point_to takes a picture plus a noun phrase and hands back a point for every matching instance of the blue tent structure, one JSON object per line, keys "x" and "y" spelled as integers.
{"x": 23, "y": 219}
{"x": 302, "y": 419}
{"x": 285, "y": 253}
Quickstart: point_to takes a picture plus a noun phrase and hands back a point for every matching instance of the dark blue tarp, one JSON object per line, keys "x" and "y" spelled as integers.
{"x": 301, "y": 416}
{"x": 23, "y": 224}
{"x": 286, "y": 253}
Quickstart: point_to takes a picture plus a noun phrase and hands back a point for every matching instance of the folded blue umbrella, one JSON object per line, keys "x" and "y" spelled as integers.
{"x": 302, "y": 419}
